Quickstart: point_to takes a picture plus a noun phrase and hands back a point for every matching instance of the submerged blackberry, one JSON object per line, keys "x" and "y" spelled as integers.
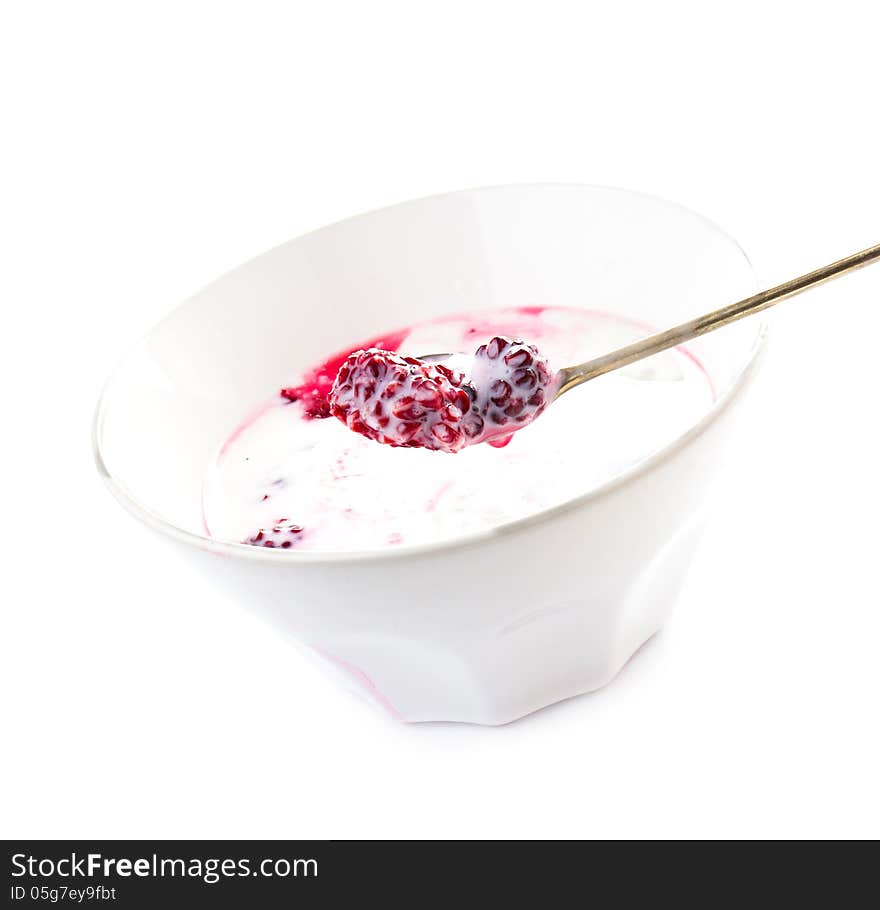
{"x": 283, "y": 534}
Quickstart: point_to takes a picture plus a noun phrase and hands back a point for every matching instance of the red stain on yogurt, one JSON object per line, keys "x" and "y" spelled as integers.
{"x": 315, "y": 386}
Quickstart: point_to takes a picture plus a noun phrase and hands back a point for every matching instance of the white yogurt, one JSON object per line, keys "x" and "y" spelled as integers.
{"x": 350, "y": 493}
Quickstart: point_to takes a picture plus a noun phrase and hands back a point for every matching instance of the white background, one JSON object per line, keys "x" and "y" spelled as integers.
{"x": 150, "y": 147}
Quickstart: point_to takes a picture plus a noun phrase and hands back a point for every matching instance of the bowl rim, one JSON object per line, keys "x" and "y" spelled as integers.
{"x": 734, "y": 389}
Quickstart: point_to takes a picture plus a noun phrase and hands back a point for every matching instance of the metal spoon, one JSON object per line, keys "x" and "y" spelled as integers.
{"x": 569, "y": 377}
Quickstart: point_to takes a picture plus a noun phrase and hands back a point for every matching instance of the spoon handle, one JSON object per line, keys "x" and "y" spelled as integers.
{"x": 654, "y": 344}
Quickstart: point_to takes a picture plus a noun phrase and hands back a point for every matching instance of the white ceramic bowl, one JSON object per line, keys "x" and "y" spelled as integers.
{"x": 532, "y": 612}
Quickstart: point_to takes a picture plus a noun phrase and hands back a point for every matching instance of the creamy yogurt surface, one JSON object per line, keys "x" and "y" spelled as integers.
{"x": 292, "y": 478}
